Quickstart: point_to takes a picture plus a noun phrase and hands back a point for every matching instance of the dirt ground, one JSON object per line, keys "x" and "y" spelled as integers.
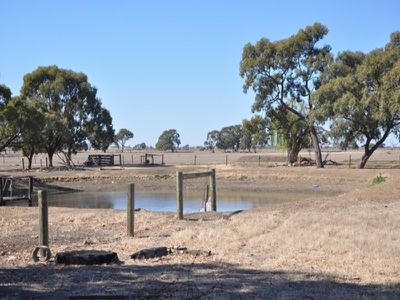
{"x": 342, "y": 247}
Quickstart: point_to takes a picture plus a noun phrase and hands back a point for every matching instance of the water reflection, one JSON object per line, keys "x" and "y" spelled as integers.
{"x": 167, "y": 202}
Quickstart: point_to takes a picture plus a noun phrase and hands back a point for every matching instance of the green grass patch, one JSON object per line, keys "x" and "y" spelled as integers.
{"x": 243, "y": 178}
{"x": 162, "y": 177}
{"x": 378, "y": 179}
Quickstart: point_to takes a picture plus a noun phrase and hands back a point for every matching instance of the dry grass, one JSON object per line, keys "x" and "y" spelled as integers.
{"x": 350, "y": 241}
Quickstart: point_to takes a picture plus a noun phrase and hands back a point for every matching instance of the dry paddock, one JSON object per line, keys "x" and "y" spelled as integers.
{"x": 344, "y": 247}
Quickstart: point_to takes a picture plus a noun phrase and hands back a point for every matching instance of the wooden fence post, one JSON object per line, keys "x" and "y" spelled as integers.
{"x": 132, "y": 158}
{"x": 259, "y": 160}
{"x": 30, "y": 192}
{"x": 213, "y": 184}
{"x": 299, "y": 161}
{"x": 226, "y": 160}
{"x": 43, "y": 221}
{"x": 195, "y": 158}
{"x": 162, "y": 159}
{"x": 41, "y": 165}
{"x": 131, "y": 210}
{"x": 23, "y": 164}
{"x": 1, "y": 192}
{"x": 47, "y": 164}
{"x": 349, "y": 160}
{"x": 179, "y": 194}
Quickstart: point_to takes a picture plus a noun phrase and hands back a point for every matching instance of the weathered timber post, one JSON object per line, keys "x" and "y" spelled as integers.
{"x": 349, "y": 161}
{"x": 1, "y": 192}
{"x": 131, "y": 210}
{"x": 41, "y": 165}
{"x": 259, "y": 160}
{"x": 123, "y": 160}
{"x": 179, "y": 194}
{"x": 43, "y": 221}
{"x": 206, "y": 196}
{"x": 23, "y": 164}
{"x": 162, "y": 159}
{"x": 299, "y": 161}
{"x": 30, "y": 192}
{"x": 213, "y": 185}
{"x": 195, "y": 158}
{"x": 47, "y": 164}
{"x": 132, "y": 158}
{"x": 226, "y": 160}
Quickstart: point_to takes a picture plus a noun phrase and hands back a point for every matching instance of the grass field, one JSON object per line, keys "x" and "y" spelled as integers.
{"x": 342, "y": 247}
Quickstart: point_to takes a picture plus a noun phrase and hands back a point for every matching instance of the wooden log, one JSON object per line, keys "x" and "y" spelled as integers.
{"x": 179, "y": 195}
{"x": 130, "y": 210}
{"x": 151, "y": 253}
{"x": 86, "y": 257}
{"x": 43, "y": 221}
{"x": 213, "y": 185}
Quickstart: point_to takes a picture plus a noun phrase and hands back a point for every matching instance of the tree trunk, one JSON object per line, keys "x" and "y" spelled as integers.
{"x": 364, "y": 159}
{"x": 292, "y": 155}
{"x": 317, "y": 149}
{"x": 50, "y": 155}
{"x": 30, "y": 157}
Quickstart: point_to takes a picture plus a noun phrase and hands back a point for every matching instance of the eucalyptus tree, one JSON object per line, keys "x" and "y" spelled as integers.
{"x": 254, "y": 133}
{"x": 211, "y": 141}
{"x": 168, "y": 140}
{"x": 122, "y": 136}
{"x": 288, "y": 132}
{"x": 32, "y": 121}
{"x": 9, "y": 131}
{"x": 361, "y": 95}
{"x": 70, "y": 105}
{"x": 287, "y": 71}
{"x": 100, "y": 128}
{"x": 229, "y": 137}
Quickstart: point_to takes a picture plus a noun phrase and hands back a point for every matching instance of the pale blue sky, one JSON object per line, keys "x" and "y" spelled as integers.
{"x": 172, "y": 64}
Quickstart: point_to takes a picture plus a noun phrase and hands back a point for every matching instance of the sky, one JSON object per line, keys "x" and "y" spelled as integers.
{"x": 162, "y": 65}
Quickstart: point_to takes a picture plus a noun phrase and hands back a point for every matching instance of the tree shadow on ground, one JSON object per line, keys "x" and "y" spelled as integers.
{"x": 180, "y": 281}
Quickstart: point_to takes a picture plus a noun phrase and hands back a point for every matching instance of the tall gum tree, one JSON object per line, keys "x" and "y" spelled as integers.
{"x": 70, "y": 106}
{"x": 361, "y": 96}
{"x": 285, "y": 71}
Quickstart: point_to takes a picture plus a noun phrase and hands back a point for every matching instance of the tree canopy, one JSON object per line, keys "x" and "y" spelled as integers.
{"x": 285, "y": 72}
{"x": 122, "y": 137}
{"x": 229, "y": 137}
{"x": 361, "y": 96}
{"x": 71, "y": 109}
{"x": 254, "y": 134}
{"x": 211, "y": 141}
{"x": 168, "y": 140}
